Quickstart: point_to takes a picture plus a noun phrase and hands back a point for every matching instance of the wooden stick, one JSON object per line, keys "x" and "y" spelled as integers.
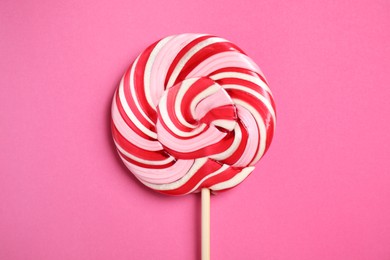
{"x": 205, "y": 224}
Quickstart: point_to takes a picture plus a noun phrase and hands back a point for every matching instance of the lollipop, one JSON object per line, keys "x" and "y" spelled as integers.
{"x": 193, "y": 112}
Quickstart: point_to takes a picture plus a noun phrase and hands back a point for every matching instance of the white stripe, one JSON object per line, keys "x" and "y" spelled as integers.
{"x": 239, "y": 75}
{"x": 237, "y": 179}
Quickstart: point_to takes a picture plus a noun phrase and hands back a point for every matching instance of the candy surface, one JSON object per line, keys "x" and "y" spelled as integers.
{"x": 191, "y": 112}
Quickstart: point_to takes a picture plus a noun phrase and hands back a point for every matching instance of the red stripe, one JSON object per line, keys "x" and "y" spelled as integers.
{"x": 181, "y": 54}
{"x": 227, "y": 112}
{"x": 139, "y": 82}
{"x": 197, "y": 87}
{"x": 256, "y": 104}
{"x": 268, "y": 121}
{"x": 248, "y": 84}
{"x": 171, "y": 100}
{"x": 204, "y": 54}
{"x": 129, "y": 96}
{"x": 135, "y": 150}
{"x": 148, "y": 166}
{"x": 210, "y": 167}
{"x": 226, "y": 175}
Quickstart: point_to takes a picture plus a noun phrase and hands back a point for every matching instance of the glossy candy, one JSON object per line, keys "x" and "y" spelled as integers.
{"x": 192, "y": 111}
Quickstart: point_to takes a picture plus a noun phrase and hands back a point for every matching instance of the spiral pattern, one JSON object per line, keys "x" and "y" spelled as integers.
{"x": 192, "y": 111}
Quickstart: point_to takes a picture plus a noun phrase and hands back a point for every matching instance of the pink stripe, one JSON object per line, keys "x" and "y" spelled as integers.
{"x": 211, "y": 136}
{"x": 161, "y": 64}
{"x": 217, "y": 99}
{"x": 160, "y": 176}
{"x": 223, "y": 60}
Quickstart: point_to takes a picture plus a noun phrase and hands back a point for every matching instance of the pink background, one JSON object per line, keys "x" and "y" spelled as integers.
{"x": 321, "y": 192}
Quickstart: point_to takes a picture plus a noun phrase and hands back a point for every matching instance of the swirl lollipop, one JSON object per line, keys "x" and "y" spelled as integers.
{"x": 193, "y": 112}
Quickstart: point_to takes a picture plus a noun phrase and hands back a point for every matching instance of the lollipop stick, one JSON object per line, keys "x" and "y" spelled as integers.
{"x": 205, "y": 224}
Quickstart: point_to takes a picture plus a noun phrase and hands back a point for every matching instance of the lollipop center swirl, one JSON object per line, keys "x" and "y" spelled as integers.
{"x": 193, "y": 116}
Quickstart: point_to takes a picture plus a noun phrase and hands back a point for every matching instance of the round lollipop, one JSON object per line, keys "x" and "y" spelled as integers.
{"x": 193, "y": 112}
